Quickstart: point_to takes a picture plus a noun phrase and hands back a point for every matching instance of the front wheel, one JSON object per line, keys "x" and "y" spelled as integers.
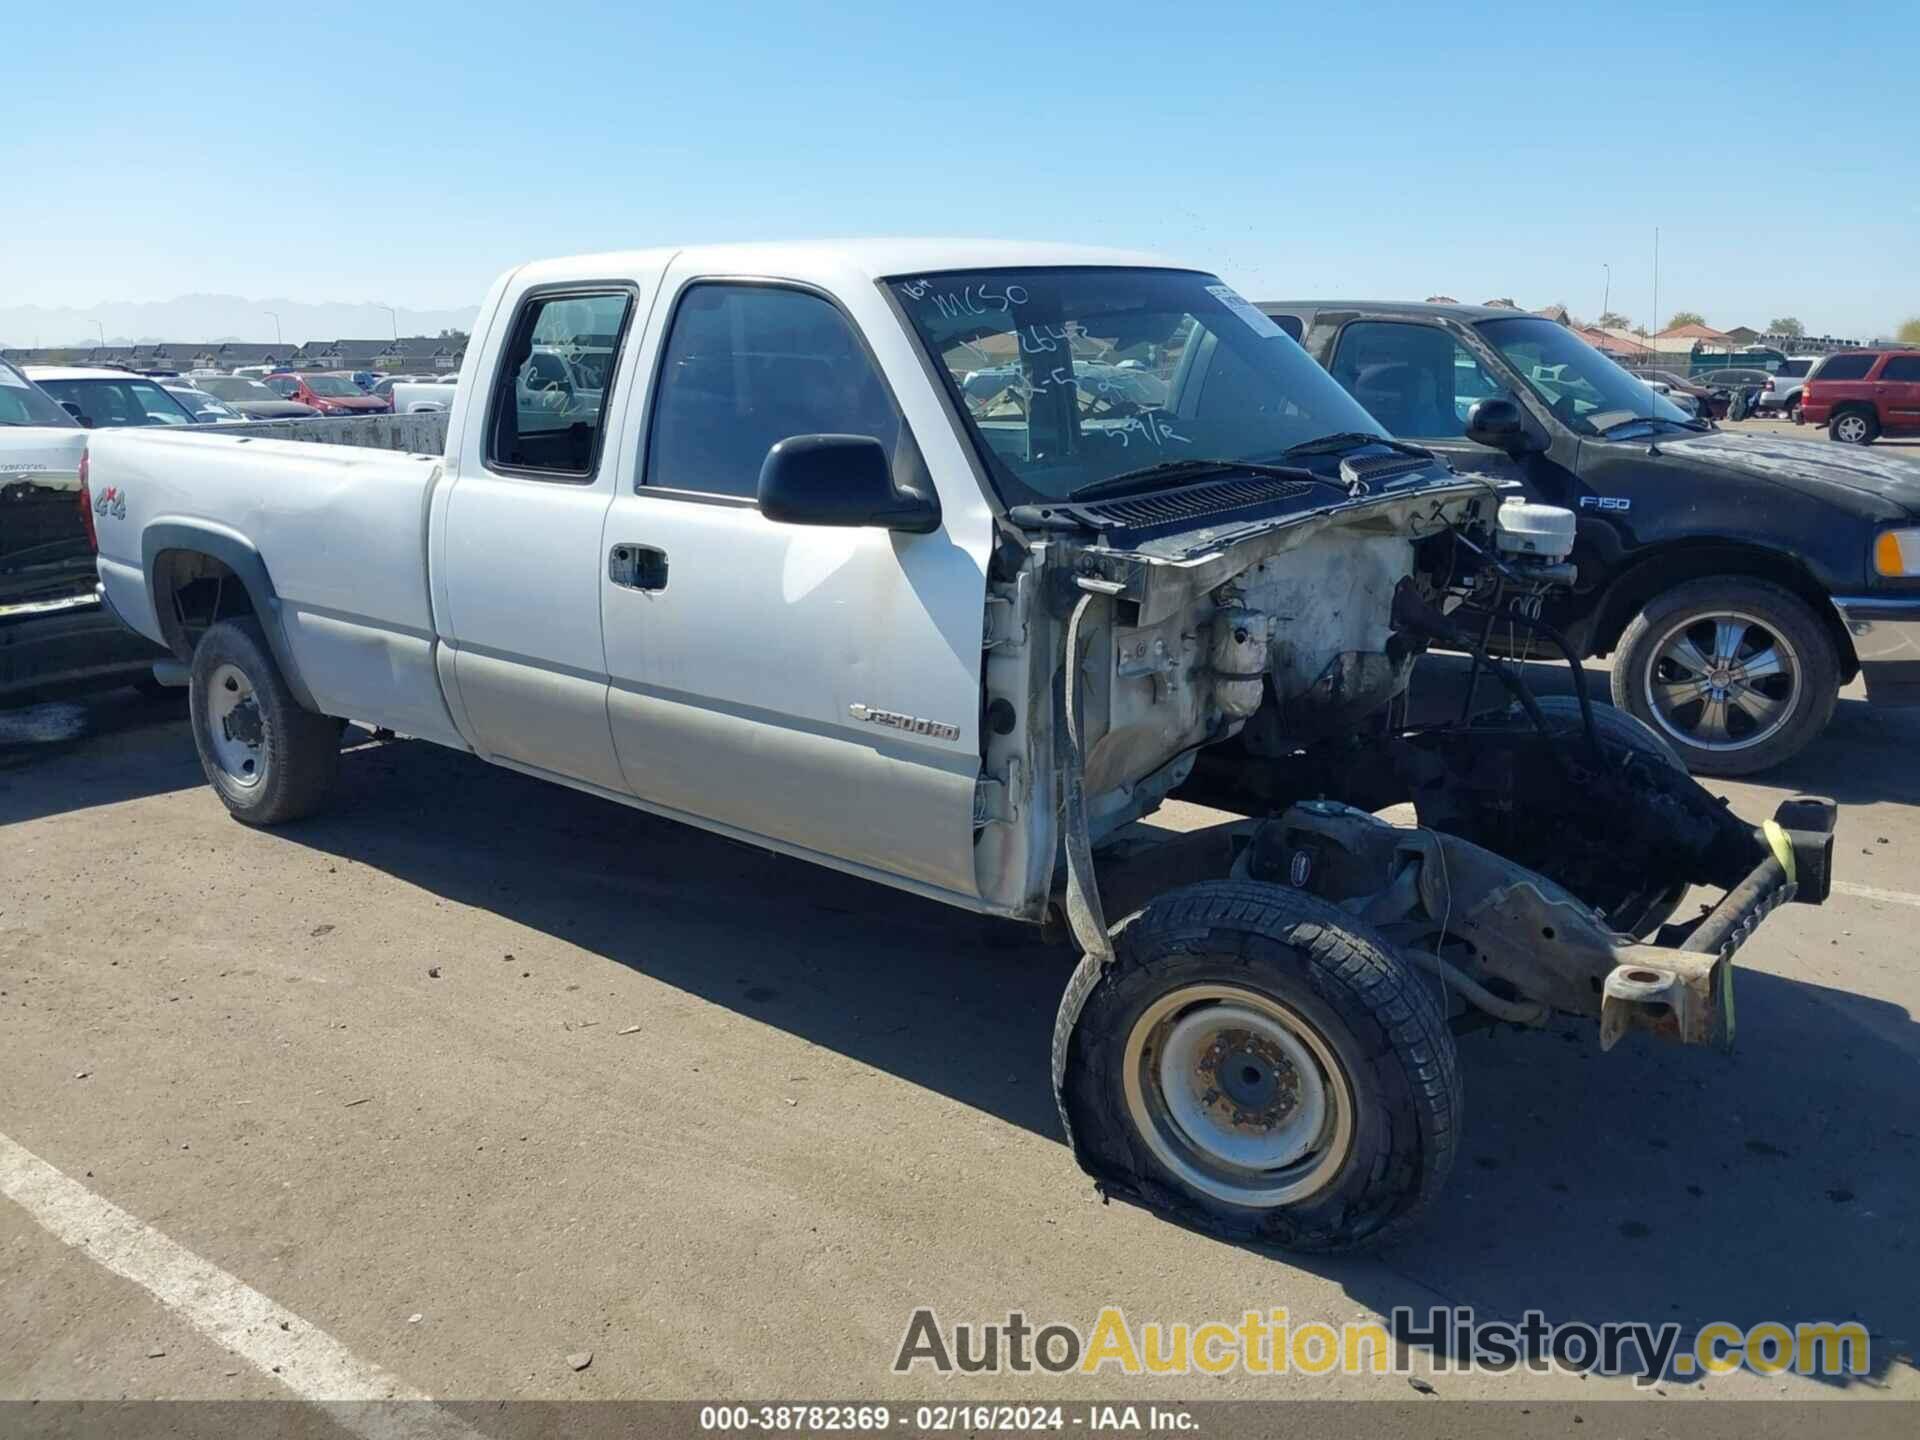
{"x": 1736, "y": 674}
{"x": 1262, "y": 1064}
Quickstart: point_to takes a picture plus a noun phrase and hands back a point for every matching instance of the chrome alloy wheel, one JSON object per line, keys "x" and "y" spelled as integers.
{"x": 1238, "y": 1095}
{"x": 1723, "y": 681}
{"x": 1850, "y": 428}
{"x": 235, "y": 731}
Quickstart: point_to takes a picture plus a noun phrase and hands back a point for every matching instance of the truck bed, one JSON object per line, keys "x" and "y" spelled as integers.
{"x": 340, "y": 530}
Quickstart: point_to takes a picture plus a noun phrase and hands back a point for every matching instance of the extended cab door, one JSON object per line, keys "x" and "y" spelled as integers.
{"x": 817, "y": 687}
{"x": 519, "y": 564}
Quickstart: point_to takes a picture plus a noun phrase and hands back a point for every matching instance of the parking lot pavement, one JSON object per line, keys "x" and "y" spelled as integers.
{"x": 474, "y": 1074}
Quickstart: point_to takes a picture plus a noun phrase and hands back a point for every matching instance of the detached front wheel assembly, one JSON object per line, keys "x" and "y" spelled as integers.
{"x": 1259, "y": 1063}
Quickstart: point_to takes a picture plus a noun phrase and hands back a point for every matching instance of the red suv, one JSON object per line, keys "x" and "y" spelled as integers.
{"x": 329, "y": 394}
{"x": 1860, "y": 395}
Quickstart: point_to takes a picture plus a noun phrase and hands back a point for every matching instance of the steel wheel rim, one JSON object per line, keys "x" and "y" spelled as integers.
{"x": 1723, "y": 681}
{"x": 1852, "y": 428}
{"x": 1238, "y": 1096}
{"x": 236, "y": 732}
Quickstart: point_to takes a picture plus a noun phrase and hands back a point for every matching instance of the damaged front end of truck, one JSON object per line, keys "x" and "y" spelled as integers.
{"x": 1259, "y": 1036}
{"x": 1263, "y": 661}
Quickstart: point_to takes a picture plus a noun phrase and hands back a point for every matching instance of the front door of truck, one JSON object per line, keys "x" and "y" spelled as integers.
{"x": 520, "y": 560}
{"x": 1419, "y": 381}
{"x": 815, "y": 686}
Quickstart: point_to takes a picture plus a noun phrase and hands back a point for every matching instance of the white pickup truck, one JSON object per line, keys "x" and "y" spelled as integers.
{"x": 941, "y": 563}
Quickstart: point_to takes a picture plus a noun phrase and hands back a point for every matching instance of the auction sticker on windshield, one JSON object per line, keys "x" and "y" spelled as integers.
{"x": 1257, "y": 320}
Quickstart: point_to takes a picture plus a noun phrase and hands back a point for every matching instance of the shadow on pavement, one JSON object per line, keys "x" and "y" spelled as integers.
{"x": 95, "y": 748}
{"x": 1655, "y": 1183}
{"x": 1859, "y": 760}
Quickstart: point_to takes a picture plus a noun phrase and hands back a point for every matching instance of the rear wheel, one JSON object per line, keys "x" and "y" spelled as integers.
{"x": 1854, "y": 427}
{"x": 1262, "y": 1064}
{"x": 267, "y": 759}
{"x": 1735, "y": 674}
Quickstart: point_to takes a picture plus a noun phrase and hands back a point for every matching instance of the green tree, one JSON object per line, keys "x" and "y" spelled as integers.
{"x": 1786, "y": 325}
{"x": 1909, "y": 332}
{"x": 1613, "y": 320}
{"x": 1686, "y": 317}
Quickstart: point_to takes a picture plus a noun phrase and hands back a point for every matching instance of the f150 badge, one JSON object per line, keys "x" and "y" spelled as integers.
{"x": 912, "y": 724}
{"x": 111, "y": 501}
{"x": 1605, "y": 502}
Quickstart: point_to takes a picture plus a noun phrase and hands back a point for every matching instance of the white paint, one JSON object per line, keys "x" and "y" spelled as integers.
{"x": 1868, "y": 892}
{"x": 308, "y": 1361}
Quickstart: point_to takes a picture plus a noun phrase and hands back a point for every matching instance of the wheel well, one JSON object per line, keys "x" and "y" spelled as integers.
{"x": 191, "y": 590}
{"x": 1633, "y": 590}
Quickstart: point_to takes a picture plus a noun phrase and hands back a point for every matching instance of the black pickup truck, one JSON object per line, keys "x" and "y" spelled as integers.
{"x": 1737, "y": 580}
{"x": 54, "y": 632}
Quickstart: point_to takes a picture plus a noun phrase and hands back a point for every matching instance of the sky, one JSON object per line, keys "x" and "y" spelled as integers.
{"x": 405, "y": 154}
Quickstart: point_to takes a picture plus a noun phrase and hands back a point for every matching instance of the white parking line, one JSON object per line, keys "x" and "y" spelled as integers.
{"x": 1868, "y": 892}
{"x": 308, "y": 1361}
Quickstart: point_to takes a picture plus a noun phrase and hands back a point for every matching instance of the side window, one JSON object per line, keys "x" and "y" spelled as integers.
{"x": 1845, "y": 367}
{"x": 548, "y": 413}
{"x": 1289, "y": 323}
{"x": 284, "y": 387}
{"x": 1901, "y": 367}
{"x": 1416, "y": 380}
{"x": 746, "y": 366}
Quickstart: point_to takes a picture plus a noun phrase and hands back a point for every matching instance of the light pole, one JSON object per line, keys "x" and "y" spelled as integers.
{"x": 393, "y": 316}
{"x": 103, "y": 333}
{"x": 1607, "y": 303}
{"x": 277, "y": 341}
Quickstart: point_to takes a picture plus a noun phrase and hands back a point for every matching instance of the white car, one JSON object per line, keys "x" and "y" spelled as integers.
{"x": 1782, "y": 392}
{"x": 788, "y": 579}
{"x": 422, "y": 396}
{"x": 207, "y": 408}
{"x": 98, "y": 397}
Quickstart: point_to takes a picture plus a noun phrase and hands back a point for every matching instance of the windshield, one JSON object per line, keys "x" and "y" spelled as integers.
{"x": 1071, "y": 376}
{"x": 233, "y": 387}
{"x": 202, "y": 404}
{"x": 106, "y": 404}
{"x": 334, "y": 385}
{"x": 1586, "y": 391}
{"x": 21, "y": 403}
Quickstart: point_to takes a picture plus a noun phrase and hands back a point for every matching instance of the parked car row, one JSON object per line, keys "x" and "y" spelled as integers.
{"x": 109, "y": 396}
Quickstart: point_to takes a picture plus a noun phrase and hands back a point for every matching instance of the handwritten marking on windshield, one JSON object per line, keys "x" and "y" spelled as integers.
{"x": 969, "y": 300}
{"x": 1150, "y": 425}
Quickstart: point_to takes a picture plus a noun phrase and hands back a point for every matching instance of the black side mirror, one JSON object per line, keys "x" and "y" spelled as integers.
{"x": 840, "y": 480}
{"x": 74, "y": 410}
{"x": 1496, "y": 423}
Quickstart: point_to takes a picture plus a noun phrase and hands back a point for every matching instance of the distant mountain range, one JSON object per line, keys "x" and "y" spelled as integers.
{"x": 218, "y": 317}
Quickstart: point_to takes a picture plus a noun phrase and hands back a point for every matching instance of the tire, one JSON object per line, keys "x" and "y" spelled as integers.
{"x": 1243, "y": 965}
{"x": 1854, "y": 427}
{"x": 1614, "y": 724}
{"x": 1746, "y": 730}
{"x": 267, "y": 759}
